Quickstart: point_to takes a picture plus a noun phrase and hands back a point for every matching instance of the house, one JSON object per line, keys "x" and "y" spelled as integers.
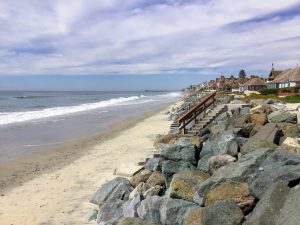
{"x": 235, "y": 88}
{"x": 254, "y": 84}
{"x": 273, "y": 74}
{"x": 287, "y": 78}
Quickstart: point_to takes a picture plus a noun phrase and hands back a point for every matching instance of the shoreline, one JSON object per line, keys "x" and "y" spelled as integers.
{"x": 57, "y": 190}
{"x": 14, "y": 173}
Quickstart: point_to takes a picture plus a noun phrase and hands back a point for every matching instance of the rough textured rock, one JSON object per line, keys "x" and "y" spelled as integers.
{"x": 169, "y": 168}
{"x": 91, "y": 215}
{"x": 162, "y": 210}
{"x": 224, "y": 143}
{"x": 203, "y": 163}
{"x": 141, "y": 176}
{"x": 110, "y": 212}
{"x": 194, "y": 217}
{"x": 238, "y": 171}
{"x": 203, "y": 131}
{"x": 255, "y": 129}
{"x": 244, "y": 110}
{"x": 291, "y": 145}
{"x": 135, "y": 221}
{"x": 216, "y": 162}
{"x": 262, "y": 109}
{"x": 256, "y": 144}
{"x": 282, "y": 116}
{"x": 141, "y": 188}
{"x": 241, "y": 141}
{"x": 180, "y": 153}
{"x": 184, "y": 183}
{"x": 156, "y": 178}
{"x": 118, "y": 188}
{"x": 130, "y": 206}
{"x": 183, "y": 141}
{"x": 260, "y": 118}
{"x": 218, "y": 128}
{"x": 290, "y": 212}
{"x": 267, "y": 210}
{"x": 257, "y": 102}
{"x": 268, "y": 135}
{"x": 279, "y": 166}
{"x": 153, "y": 164}
{"x": 224, "y": 212}
{"x": 239, "y": 192}
{"x": 196, "y": 140}
{"x": 223, "y": 116}
{"x": 156, "y": 190}
{"x": 248, "y": 129}
{"x": 289, "y": 129}
{"x": 239, "y": 121}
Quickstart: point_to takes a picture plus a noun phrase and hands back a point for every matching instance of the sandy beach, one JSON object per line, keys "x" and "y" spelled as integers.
{"x": 54, "y": 187}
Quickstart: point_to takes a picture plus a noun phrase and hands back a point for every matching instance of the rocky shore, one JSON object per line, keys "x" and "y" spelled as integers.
{"x": 244, "y": 168}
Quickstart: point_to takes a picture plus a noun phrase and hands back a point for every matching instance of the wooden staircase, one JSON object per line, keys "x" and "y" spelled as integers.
{"x": 207, "y": 119}
{"x": 191, "y": 117}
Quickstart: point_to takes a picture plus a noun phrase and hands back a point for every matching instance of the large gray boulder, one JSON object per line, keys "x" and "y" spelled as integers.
{"x": 218, "y": 161}
{"x": 244, "y": 110}
{"x": 239, "y": 120}
{"x": 135, "y": 221}
{"x": 238, "y": 171}
{"x": 165, "y": 211}
{"x": 289, "y": 129}
{"x": 156, "y": 190}
{"x": 116, "y": 189}
{"x": 169, "y": 168}
{"x": 184, "y": 183}
{"x": 110, "y": 212}
{"x": 180, "y": 153}
{"x": 153, "y": 164}
{"x": 279, "y": 166}
{"x": 289, "y": 214}
{"x": 268, "y": 208}
{"x": 267, "y": 137}
{"x": 224, "y": 143}
{"x": 219, "y": 127}
{"x": 156, "y": 178}
{"x": 130, "y": 207}
{"x": 139, "y": 177}
{"x": 282, "y": 116}
{"x": 203, "y": 163}
{"x": 223, "y": 212}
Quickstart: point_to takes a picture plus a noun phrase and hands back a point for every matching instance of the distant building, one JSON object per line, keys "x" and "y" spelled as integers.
{"x": 272, "y": 75}
{"x": 254, "y": 84}
{"x": 287, "y": 78}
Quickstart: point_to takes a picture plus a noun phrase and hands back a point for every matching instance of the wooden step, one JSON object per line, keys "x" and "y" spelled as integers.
{"x": 188, "y": 135}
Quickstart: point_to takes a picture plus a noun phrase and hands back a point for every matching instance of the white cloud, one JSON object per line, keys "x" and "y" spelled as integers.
{"x": 143, "y": 37}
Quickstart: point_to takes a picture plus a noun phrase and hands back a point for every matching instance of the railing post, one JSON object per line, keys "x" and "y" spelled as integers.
{"x": 184, "y": 130}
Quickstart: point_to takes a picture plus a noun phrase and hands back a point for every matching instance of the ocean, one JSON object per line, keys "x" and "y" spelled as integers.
{"x": 31, "y": 121}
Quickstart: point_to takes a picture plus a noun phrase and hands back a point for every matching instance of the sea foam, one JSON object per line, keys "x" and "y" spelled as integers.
{"x": 17, "y": 117}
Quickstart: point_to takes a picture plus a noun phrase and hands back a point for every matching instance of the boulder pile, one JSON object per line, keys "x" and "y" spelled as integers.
{"x": 243, "y": 170}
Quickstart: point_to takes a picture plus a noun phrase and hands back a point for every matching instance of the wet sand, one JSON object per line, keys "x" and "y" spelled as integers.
{"x": 53, "y": 186}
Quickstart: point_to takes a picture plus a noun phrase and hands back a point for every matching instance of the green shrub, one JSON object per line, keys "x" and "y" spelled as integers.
{"x": 269, "y": 91}
{"x": 291, "y": 99}
{"x": 275, "y": 91}
{"x": 290, "y": 89}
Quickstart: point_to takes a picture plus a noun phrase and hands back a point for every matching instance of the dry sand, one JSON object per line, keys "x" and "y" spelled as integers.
{"x": 60, "y": 193}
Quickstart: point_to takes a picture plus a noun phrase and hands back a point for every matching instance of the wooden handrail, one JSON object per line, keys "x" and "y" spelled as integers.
{"x": 194, "y": 108}
{"x": 194, "y": 111}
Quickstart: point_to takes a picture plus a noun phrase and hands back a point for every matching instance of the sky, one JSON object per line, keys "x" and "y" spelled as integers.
{"x": 142, "y": 44}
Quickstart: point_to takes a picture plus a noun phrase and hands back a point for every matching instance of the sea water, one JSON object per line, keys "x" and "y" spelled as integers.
{"x": 32, "y": 120}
